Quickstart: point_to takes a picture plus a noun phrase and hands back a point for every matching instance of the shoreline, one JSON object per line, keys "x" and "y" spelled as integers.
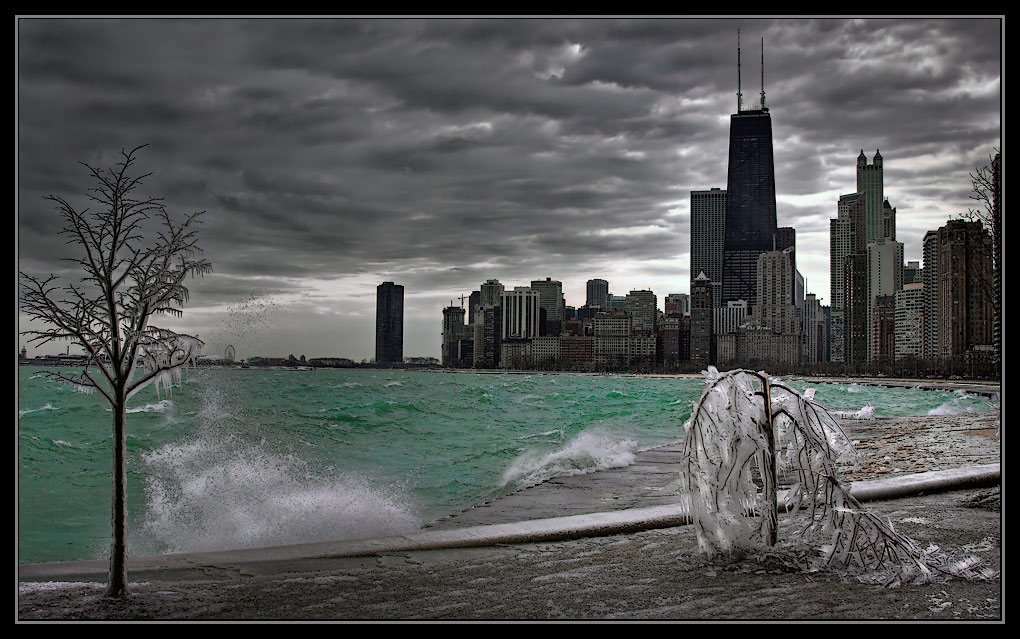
{"x": 652, "y": 574}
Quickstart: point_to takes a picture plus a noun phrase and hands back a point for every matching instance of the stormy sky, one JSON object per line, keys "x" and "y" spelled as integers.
{"x": 334, "y": 154}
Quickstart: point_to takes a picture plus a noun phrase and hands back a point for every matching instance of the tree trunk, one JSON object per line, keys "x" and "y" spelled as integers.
{"x": 118, "y": 586}
{"x": 770, "y": 518}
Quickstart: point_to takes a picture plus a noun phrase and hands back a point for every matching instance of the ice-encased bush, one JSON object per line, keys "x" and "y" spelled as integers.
{"x": 747, "y": 431}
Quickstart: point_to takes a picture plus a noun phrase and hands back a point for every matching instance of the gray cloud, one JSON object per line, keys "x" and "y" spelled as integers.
{"x": 331, "y": 155}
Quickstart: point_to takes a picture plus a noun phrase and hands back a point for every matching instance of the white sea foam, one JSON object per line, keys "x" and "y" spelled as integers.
{"x": 388, "y": 384}
{"x": 159, "y": 407}
{"x": 22, "y": 413}
{"x": 588, "y": 452}
{"x": 213, "y": 494}
{"x": 865, "y": 413}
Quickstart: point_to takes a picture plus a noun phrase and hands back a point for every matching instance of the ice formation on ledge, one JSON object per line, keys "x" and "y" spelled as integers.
{"x": 746, "y": 433}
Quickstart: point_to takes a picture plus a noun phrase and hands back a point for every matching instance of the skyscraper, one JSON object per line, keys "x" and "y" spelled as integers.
{"x": 597, "y": 293}
{"x": 551, "y": 300}
{"x": 389, "y": 323}
{"x": 708, "y": 230}
{"x": 963, "y": 278}
{"x": 750, "y": 196}
{"x": 870, "y": 185}
{"x": 701, "y": 320}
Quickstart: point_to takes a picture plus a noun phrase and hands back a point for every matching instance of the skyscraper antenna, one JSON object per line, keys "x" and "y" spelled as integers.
{"x": 740, "y": 97}
{"x": 763, "y": 73}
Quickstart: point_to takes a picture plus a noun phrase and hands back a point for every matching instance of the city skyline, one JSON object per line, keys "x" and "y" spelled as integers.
{"x": 332, "y": 155}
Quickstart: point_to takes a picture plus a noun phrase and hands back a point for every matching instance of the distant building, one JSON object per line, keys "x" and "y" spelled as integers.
{"x": 488, "y": 330}
{"x": 929, "y": 277}
{"x": 729, "y": 318}
{"x": 550, "y": 293}
{"x": 669, "y": 340}
{"x": 520, "y": 313}
{"x": 750, "y": 225}
{"x": 642, "y": 306}
{"x": 964, "y": 280}
{"x": 389, "y": 323}
{"x": 701, "y": 321}
{"x": 883, "y": 329}
{"x": 856, "y": 332}
{"x": 813, "y": 330}
{"x": 612, "y": 339}
{"x": 490, "y": 293}
{"x": 545, "y": 351}
{"x": 846, "y": 237}
{"x": 577, "y": 352}
{"x": 912, "y": 273}
{"x": 677, "y": 304}
{"x": 775, "y": 308}
{"x": 870, "y": 184}
{"x": 909, "y": 336}
{"x": 597, "y": 294}
{"x": 708, "y": 233}
{"x": 884, "y": 277}
{"x": 453, "y": 332}
{"x": 516, "y": 354}
{"x": 616, "y": 303}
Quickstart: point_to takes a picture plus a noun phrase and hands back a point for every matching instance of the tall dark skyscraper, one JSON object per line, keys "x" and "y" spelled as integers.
{"x": 389, "y": 323}
{"x": 750, "y": 196}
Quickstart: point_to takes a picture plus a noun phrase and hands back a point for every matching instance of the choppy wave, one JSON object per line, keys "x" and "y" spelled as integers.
{"x": 159, "y": 407}
{"x": 212, "y": 494}
{"x": 961, "y": 403}
{"x": 867, "y": 412}
{"x": 22, "y": 413}
{"x": 589, "y": 451}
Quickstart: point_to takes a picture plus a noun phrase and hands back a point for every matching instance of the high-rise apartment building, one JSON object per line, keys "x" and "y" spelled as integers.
{"x": 909, "y": 321}
{"x": 701, "y": 320}
{"x": 774, "y": 308}
{"x": 389, "y": 323}
{"x": 964, "y": 281}
{"x": 813, "y": 321}
{"x": 930, "y": 279}
{"x": 708, "y": 233}
{"x": 883, "y": 329}
{"x": 855, "y": 312}
{"x": 885, "y": 277}
{"x": 846, "y": 237}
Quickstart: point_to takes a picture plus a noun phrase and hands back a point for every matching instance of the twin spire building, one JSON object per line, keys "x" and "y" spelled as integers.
{"x": 735, "y": 239}
{"x": 750, "y": 221}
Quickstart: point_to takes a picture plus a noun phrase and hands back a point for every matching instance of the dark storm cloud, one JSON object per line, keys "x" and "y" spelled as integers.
{"x": 441, "y": 153}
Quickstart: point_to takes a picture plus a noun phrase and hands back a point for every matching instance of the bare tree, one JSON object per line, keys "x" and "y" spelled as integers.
{"x": 986, "y": 190}
{"x": 125, "y": 282}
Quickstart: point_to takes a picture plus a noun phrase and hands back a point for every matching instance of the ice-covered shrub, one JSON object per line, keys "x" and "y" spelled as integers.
{"x": 746, "y": 434}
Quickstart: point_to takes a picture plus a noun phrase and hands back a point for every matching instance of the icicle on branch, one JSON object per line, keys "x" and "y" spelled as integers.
{"x": 745, "y": 432}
